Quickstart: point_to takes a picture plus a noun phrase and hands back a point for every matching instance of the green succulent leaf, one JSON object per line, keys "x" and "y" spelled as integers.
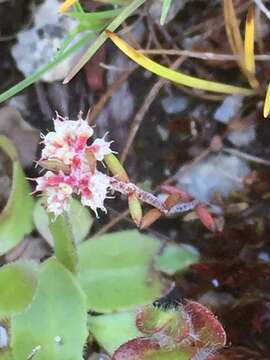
{"x": 176, "y": 258}
{"x": 64, "y": 243}
{"x": 80, "y": 219}
{"x": 16, "y": 218}
{"x": 55, "y": 325}
{"x": 112, "y": 330}
{"x": 18, "y": 282}
{"x": 115, "y": 271}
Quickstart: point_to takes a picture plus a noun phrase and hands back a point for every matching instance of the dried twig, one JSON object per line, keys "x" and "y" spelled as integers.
{"x": 246, "y": 156}
{"x": 262, "y": 7}
{"x": 201, "y": 55}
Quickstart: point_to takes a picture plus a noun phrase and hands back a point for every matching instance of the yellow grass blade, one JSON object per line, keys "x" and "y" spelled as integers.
{"x": 266, "y": 108}
{"x": 249, "y": 41}
{"x": 236, "y": 42}
{"x": 175, "y": 76}
{"x": 66, "y": 5}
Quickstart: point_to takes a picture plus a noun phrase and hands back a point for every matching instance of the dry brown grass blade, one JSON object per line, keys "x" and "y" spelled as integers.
{"x": 233, "y": 31}
{"x": 236, "y": 41}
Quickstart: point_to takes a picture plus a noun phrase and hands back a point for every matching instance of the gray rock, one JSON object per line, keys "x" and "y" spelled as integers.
{"x": 242, "y": 137}
{"x": 217, "y": 174}
{"x": 37, "y": 46}
{"x": 174, "y": 105}
{"x": 228, "y": 109}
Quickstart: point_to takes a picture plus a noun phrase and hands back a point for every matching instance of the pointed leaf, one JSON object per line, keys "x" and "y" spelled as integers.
{"x": 236, "y": 42}
{"x": 175, "y": 76}
{"x": 127, "y": 11}
{"x": 95, "y": 15}
{"x": 266, "y": 108}
{"x": 16, "y": 218}
{"x": 57, "y": 59}
{"x": 54, "y": 326}
{"x": 165, "y": 9}
{"x": 232, "y": 30}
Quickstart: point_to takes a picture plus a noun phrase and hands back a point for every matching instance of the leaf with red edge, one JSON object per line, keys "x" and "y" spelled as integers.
{"x": 170, "y": 322}
{"x": 145, "y": 348}
{"x": 207, "y": 329}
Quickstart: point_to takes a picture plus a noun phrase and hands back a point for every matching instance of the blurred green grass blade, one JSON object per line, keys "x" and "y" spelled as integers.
{"x": 165, "y": 9}
{"x": 66, "y": 42}
{"x": 37, "y": 75}
{"x": 95, "y": 21}
{"x": 78, "y": 7}
{"x": 115, "y": 2}
{"x": 95, "y": 15}
{"x": 126, "y": 12}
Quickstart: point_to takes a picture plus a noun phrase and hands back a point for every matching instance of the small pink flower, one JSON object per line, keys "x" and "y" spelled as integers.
{"x": 68, "y": 145}
{"x": 94, "y": 191}
{"x": 69, "y": 138}
{"x": 100, "y": 148}
{"x": 73, "y": 128}
{"x": 57, "y": 189}
{"x": 49, "y": 179}
{"x": 58, "y": 198}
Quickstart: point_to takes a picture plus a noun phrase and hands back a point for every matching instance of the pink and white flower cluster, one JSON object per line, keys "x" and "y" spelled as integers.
{"x": 68, "y": 146}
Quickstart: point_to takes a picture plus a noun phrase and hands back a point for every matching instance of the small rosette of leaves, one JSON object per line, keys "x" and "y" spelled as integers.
{"x": 172, "y": 323}
{"x": 188, "y": 331}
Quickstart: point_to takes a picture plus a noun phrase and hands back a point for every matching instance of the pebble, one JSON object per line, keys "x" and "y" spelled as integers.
{"x": 217, "y": 174}
{"x": 37, "y": 46}
{"x": 242, "y": 137}
{"x": 228, "y": 109}
{"x": 174, "y": 105}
